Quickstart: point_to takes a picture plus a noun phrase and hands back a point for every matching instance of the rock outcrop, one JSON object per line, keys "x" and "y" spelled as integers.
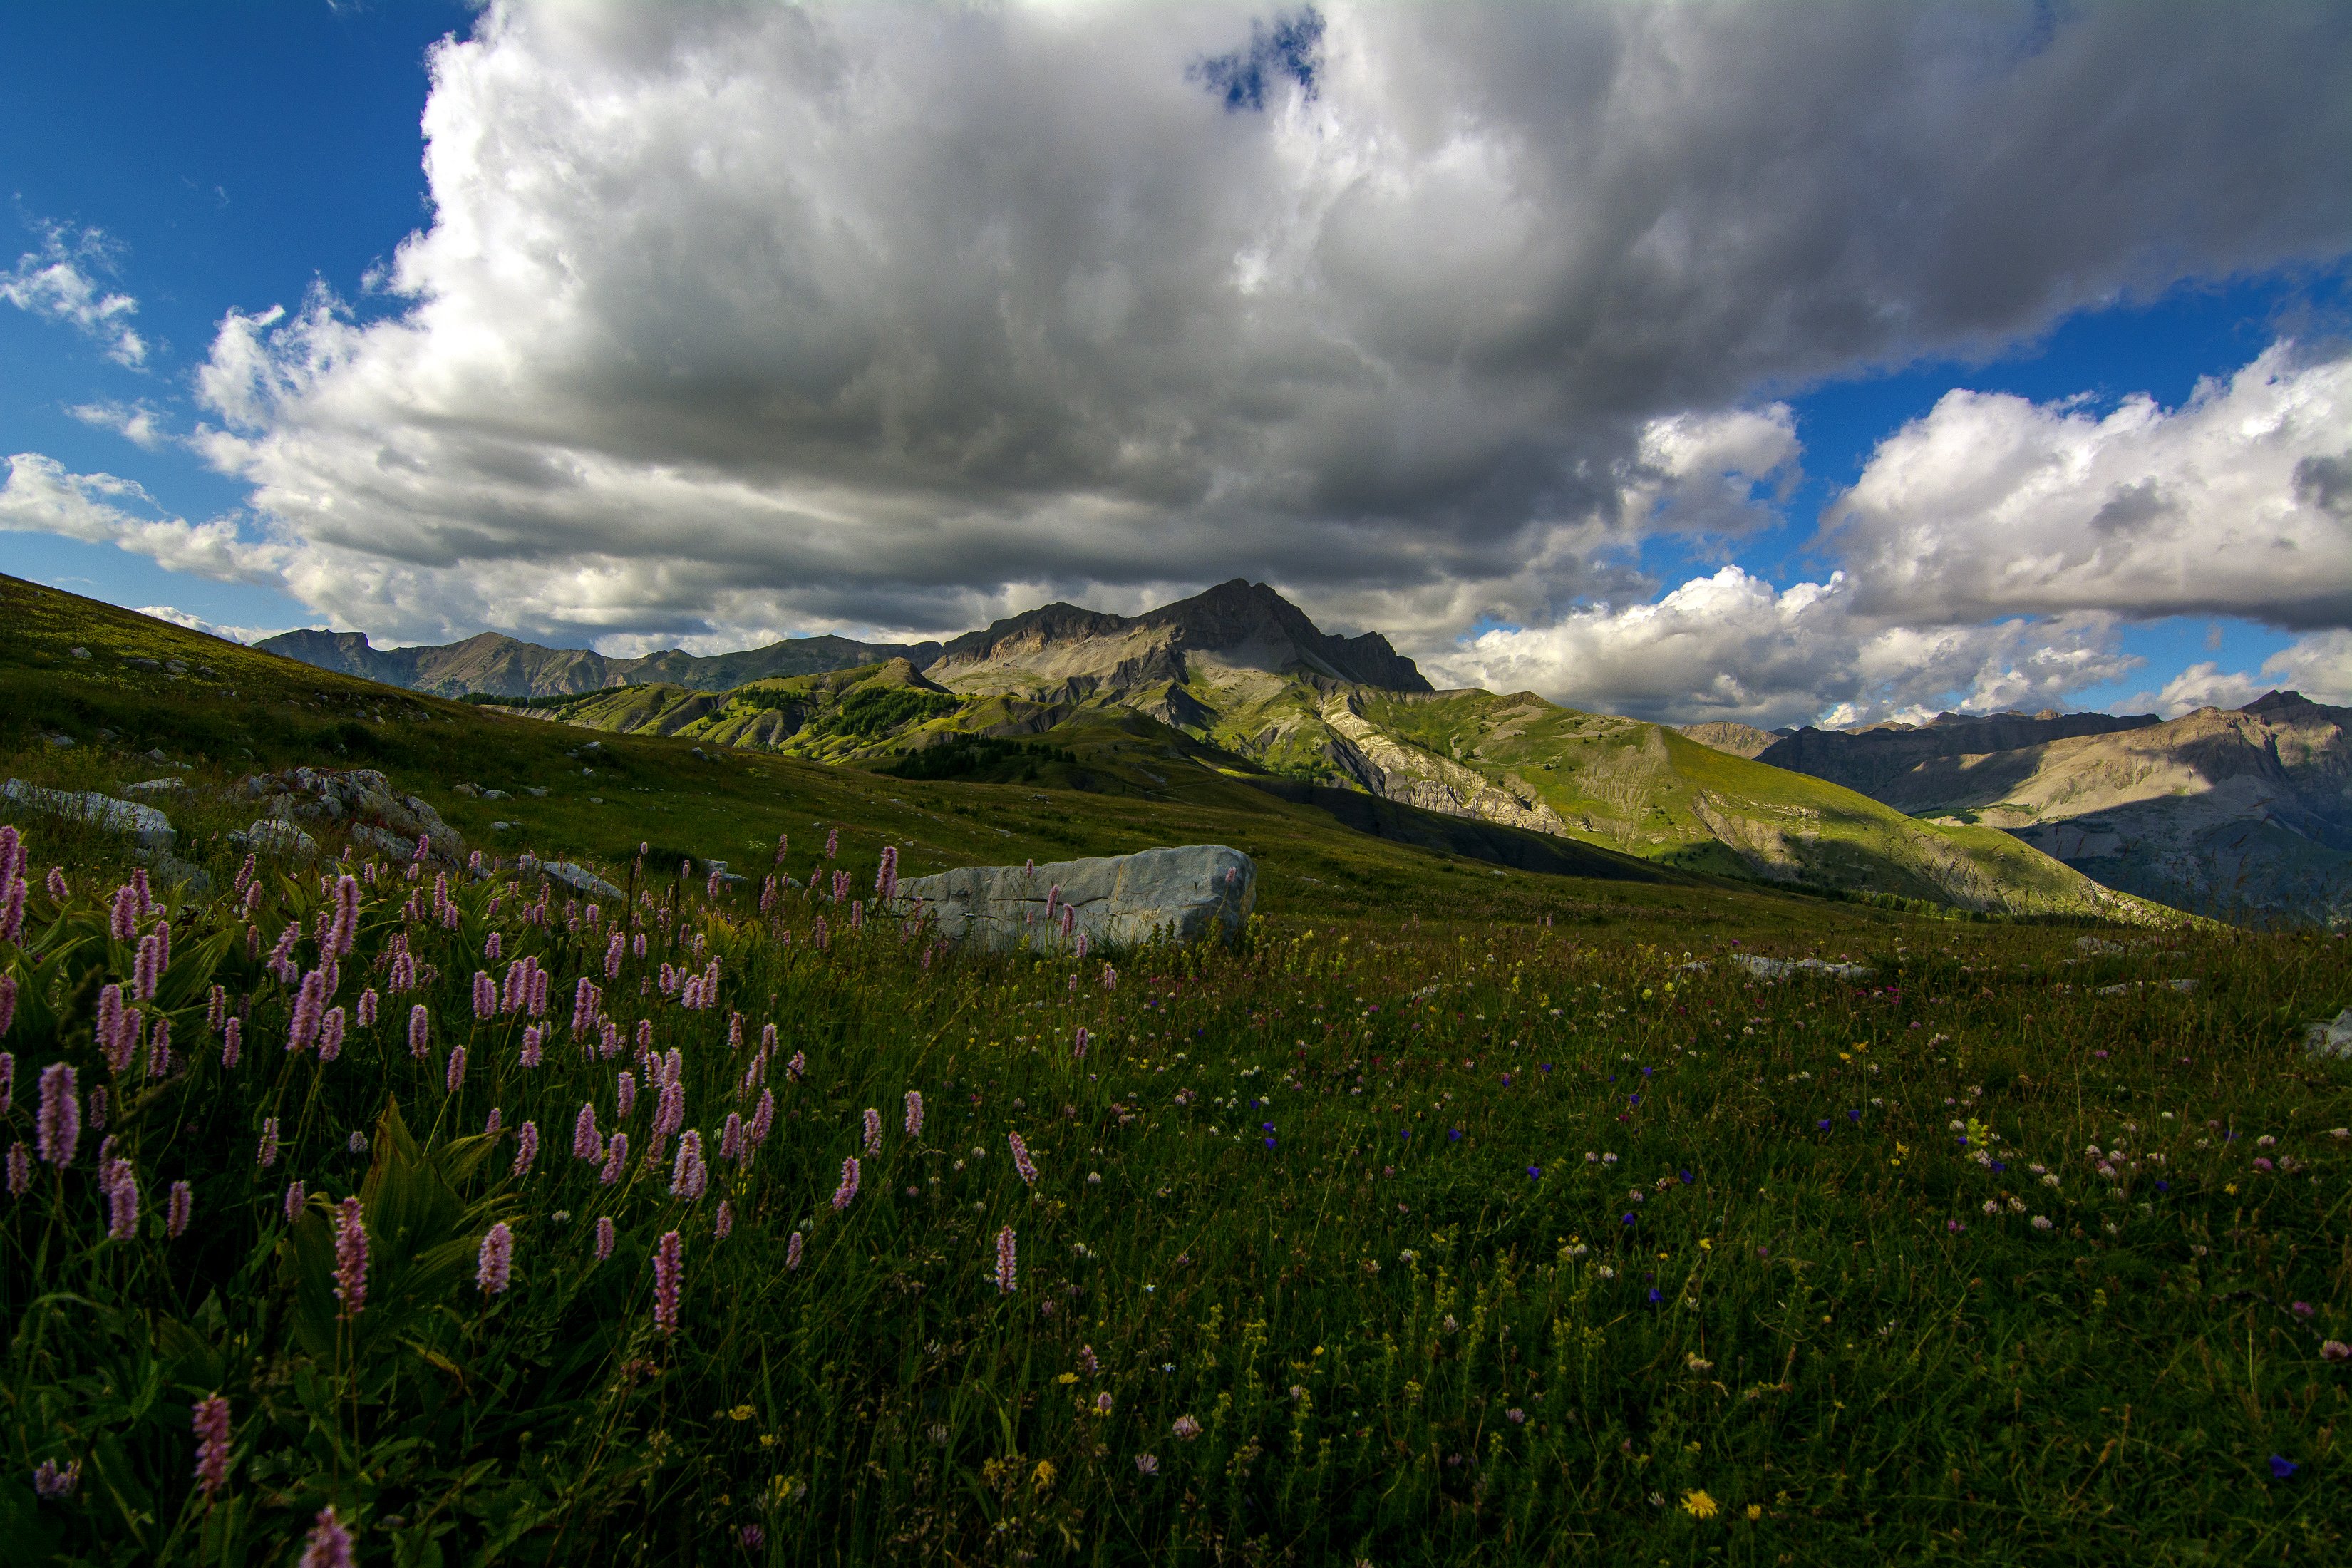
{"x": 1121, "y": 901}
{"x": 149, "y": 827}
{"x": 360, "y": 800}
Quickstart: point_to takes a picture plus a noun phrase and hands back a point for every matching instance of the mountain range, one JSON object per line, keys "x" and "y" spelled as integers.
{"x": 1236, "y": 685}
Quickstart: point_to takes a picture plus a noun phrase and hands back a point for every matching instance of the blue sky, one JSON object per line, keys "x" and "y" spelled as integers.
{"x": 212, "y": 164}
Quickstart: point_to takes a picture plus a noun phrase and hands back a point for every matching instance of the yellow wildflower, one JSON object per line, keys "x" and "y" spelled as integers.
{"x": 741, "y": 1413}
{"x": 1698, "y": 1505}
{"x": 1067, "y": 1377}
{"x": 1755, "y": 1512}
{"x": 1043, "y": 1476}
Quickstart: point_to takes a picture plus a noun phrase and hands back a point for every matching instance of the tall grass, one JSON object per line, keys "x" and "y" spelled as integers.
{"x": 1391, "y": 1242}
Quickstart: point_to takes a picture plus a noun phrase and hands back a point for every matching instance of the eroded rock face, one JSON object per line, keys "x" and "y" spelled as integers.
{"x": 378, "y": 816}
{"x": 1121, "y": 901}
{"x": 149, "y": 827}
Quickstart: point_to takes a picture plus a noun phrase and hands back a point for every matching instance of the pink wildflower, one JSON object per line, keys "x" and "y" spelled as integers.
{"x": 1020, "y": 1161}
{"x": 914, "y": 1113}
{"x": 123, "y": 918}
{"x": 1078, "y": 1043}
{"x": 873, "y": 1131}
{"x": 668, "y": 1267}
{"x": 793, "y": 1251}
{"x": 365, "y": 1017}
{"x": 57, "y": 1128}
{"x": 455, "y": 1075}
{"x": 20, "y": 1169}
{"x": 265, "y": 1154}
{"x": 764, "y": 1118}
{"x": 8, "y": 995}
{"x": 494, "y": 1268}
{"x": 616, "y": 1159}
{"x": 486, "y": 995}
{"x": 232, "y": 1041}
{"x": 526, "y": 1148}
{"x": 625, "y": 1094}
{"x": 587, "y": 1144}
{"x": 420, "y": 1043}
{"x": 731, "y": 1138}
{"x": 688, "y": 1176}
{"x": 330, "y": 1034}
{"x": 330, "y": 1545}
{"x": 351, "y": 1257}
{"x": 177, "y": 1212}
{"x": 1007, "y": 1261}
{"x": 847, "y": 1190}
{"x": 122, "y": 1203}
{"x": 531, "y": 1043}
{"x": 603, "y": 1238}
{"x": 725, "y": 1221}
{"x": 670, "y": 1115}
{"x": 797, "y": 1069}
{"x": 210, "y": 1419}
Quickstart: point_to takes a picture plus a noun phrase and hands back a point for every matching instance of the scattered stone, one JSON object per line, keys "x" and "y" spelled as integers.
{"x": 1778, "y": 968}
{"x": 2091, "y": 944}
{"x": 59, "y": 738}
{"x": 149, "y": 827}
{"x": 571, "y": 875}
{"x": 2184, "y": 986}
{"x": 536, "y": 790}
{"x": 469, "y": 790}
{"x": 2329, "y": 1038}
{"x": 81, "y": 653}
{"x": 1120, "y": 900}
{"x": 145, "y": 785}
{"x": 501, "y": 827}
{"x": 271, "y": 836}
{"x": 172, "y": 871}
{"x": 361, "y": 797}
{"x": 496, "y": 794}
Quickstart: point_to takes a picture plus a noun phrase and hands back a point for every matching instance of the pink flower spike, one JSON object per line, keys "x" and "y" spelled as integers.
{"x": 847, "y": 1190}
{"x": 1020, "y": 1161}
{"x": 603, "y": 1238}
{"x": 725, "y": 1222}
{"x": 914, "y": 1113}
{"x": 526, "y": 1148}
{"x": 616, "y": 1159}
{"x": 793, "y": 1251}
{"x": 57, "y": 1126}
{"x": 669, "y": 1269}
{"x": 330, "y": 1545}
{"x": 1007, "y": 1261}
{"x": 420, "y": 1040}
{"x": 873, "y": 1131}
{"x": 587, "y": 1144}
{"x": 330, "y": 1034}
{"x": 210, "y": 1419}
{"x": 455, "y": 1077}
{"x": 494, "y": 1269}
{"x": 265, "y": 1154}
{"x": 177, "y": 1211}
{"x": 351, "y": 1257}
{"x": 232, "y": 1041}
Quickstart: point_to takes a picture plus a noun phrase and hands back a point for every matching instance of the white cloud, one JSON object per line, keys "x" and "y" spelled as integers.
{"x": 194, "y": 623}
{"x": 40, "y": 496}
{"x": 61, "y": 282}
{"x": 134, "y": 422}
{"x": 2318, "y": 665}
{"x": 2238, "y": 503}
{"x": 1731, "y": 647}
{"x": 875, "y": 315}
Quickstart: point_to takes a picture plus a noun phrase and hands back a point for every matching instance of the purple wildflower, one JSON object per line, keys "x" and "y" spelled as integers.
{"x": 330, "y": 1034}
{"x": 265, "y": 1154}
{"x": 7, "y": 995}
{"x": 1020, "y": 1161}
{"x": 351, "y": 1257}
{"x": 625, "y": 1094}
{"x": 688, "y": 1176}
{"x": 731, "y": 1138}
{"x": 797, "y": 1067}
{"x": 669, "y": 1266}
{"x": 177, "y": 1212}
{"x": 1078, "y": 1043}
{"x": 764, "y": 1118}
{"x": 330, "y": 1545}
{"x": 1007, "y": 1261}
{"x": 793, "y": 1251}
{"x": 210, "y": 1419}
{"x": 122, "y": 1203}
{"x": 587, "y": 1144}
{"x": 725, "y": 1222}
{"x": 494, "y": 1269}
{"x": 455, "y": 1075}
{"x": 914, "y": 1113}
{"x": 486, "y": 995}
{"x": 670, "y": 1115}
{"x": 526, "y": 1148}
{"x": 847, "y": 1190}
{"x": 20, "y": 1169}
{"x": 873, "y": 1131}
{"x": 48, "y": 1481}
{"x": 232, "y": 1041}
{"x": 603, "y": 1238}
{"x": 57, "y": 1126}
{"x": 532, "y": 1040}
{"x": 616, "y": 1159}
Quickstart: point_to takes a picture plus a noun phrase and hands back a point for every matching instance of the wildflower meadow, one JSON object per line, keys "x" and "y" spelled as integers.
{"x": 364, "y": 1210}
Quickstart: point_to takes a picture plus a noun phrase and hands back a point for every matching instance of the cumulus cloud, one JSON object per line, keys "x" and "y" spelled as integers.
{"x": 40, "y": 496}
{"x": 135, "y": 422}
{"x": 1731, "y": 647}
{"x": 63, "y": 282}
{"x": 892, "y": 317}
{"x": 2318, "y": 665}
{"x": 195, "y": 622}
{"x": 2238, "y": 503}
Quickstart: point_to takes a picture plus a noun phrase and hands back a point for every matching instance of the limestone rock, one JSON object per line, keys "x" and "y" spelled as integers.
{"x": 149, "y": 827}
{"x": 270, "y": 835}
{"x": 1765, "y": 968}
{"x": 2330, "y": 1038}
{"x": 378, "y": 816}
{"x": 571, "y": 875}
{"x": 1120, "y": 900}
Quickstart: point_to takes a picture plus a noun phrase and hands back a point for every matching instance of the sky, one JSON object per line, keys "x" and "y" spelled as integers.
{"x": 1776, "y": 363}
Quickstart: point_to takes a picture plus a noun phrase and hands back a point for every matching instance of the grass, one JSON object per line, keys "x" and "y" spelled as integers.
{"x": 1429, "y": 1322}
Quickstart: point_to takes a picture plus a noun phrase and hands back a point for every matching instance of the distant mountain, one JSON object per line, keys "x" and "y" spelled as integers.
{"x": 499, "y": 666}
{"x": 2219, "y": 811}
{"x": 1062, "y": 650}
{"x": 1740, "y": 739}
{"x": 1876, "y": 760}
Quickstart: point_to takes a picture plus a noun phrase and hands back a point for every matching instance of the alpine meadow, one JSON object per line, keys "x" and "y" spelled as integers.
{"x": 1262, "y": 783}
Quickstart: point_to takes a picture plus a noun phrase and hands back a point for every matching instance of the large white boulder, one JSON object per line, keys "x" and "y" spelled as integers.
{"x": 1120, "y": 900}
{"x": 149, "y": 827}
